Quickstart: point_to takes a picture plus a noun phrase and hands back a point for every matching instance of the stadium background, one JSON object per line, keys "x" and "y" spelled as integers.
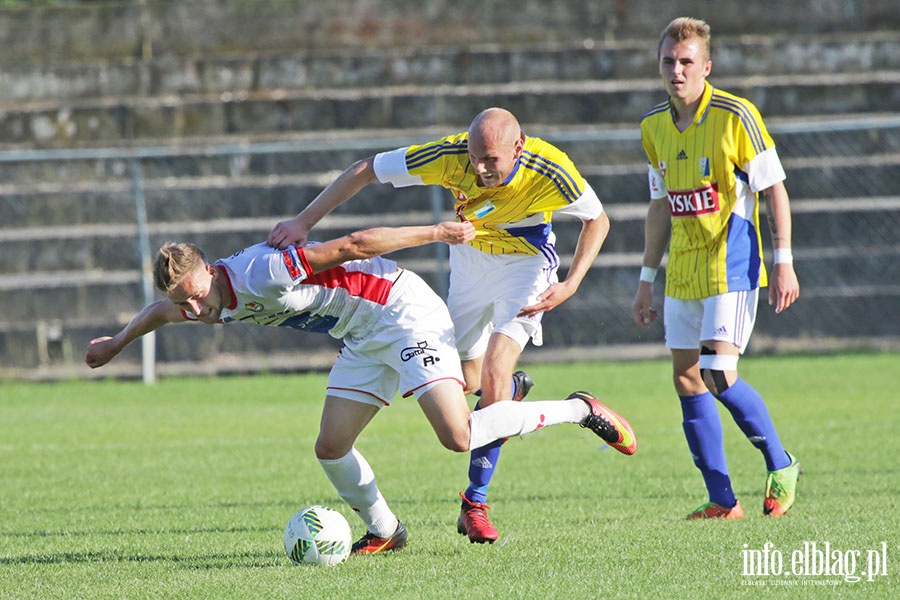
{"x": 123, "y": 125}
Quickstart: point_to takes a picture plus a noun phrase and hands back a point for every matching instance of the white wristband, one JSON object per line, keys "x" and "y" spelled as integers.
{"x": 784, "y": 256}
{"x": 648, "y": 274}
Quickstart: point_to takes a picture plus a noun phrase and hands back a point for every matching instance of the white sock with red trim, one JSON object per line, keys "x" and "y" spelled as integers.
{"x": 507, "y": 418}
{"x": 354, "y": 481}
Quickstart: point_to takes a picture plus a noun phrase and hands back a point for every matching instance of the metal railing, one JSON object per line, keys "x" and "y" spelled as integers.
{"x": 843, "y": 176}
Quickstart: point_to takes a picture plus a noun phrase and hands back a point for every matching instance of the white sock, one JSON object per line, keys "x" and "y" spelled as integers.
{"x": 354, "y": 481}
{"x": 507, "y": 418}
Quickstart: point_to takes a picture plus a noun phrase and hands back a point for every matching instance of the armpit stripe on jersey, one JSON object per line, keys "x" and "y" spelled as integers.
{"x": 422, "y": 156}
{"x": 564, "y": 182}
{"x": 363, "y": 285}
{"x": 536, "y": 235}
{"x": 741, "y": 110}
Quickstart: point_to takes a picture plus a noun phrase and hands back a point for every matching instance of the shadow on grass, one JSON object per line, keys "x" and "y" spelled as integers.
{"x": 202, "y": 562}
{"x": 131, "y": 532}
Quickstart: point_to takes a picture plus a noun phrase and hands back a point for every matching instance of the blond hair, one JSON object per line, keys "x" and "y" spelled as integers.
{"x": 686, "y": 28}
{"x": 174, "y": 262}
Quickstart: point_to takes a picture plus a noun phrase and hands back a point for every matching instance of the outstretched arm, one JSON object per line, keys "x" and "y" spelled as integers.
{"x": 294, "y": 231}
{"x": 153, "y": 316}
{"x": 381, "y": 240}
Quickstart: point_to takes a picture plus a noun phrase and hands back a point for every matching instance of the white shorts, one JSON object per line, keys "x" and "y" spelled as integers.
{"x": 487, "y": 291}
{"x": 409, "y": 350}
{"x": 728, "y": 317}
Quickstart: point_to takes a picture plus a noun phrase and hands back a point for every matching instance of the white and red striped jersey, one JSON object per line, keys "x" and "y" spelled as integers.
{"x": 278, "y": 288}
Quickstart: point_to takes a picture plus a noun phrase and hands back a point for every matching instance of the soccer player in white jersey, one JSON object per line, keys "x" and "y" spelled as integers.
{"x": 711, "y": 158}
{"x": 397, "y": 336}
{"x": 508, "y": 185}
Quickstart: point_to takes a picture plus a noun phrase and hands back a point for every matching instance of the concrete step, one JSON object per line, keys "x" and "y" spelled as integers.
{"x": 90, "y": 294}
{"x": 588, "y": 102}
{"x": 599, "y": 314}
{"x": 58, "y": 343}
{"x": 47, "y": 33}
{"x": 360, "y": 68}
{"x": 171, "y": 202}
{"x": 316, "y": 157}
{"x": 32, "y": 256}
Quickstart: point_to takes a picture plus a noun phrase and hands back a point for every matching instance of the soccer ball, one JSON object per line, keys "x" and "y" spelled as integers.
{"x": 317, "y": 535}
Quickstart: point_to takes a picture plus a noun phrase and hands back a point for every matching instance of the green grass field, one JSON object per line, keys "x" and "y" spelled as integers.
{"x": 182, "y": 490}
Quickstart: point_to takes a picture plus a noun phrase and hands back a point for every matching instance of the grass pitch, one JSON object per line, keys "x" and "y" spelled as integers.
{"x": 182, "y": 490}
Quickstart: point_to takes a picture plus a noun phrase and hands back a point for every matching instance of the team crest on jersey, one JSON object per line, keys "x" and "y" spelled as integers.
{"x": 704, "y": 166}
{"x": 484, "y": 210}
{"x": 662, "y": 167}
{"x": 693, "y": 203}
{"x": 460, "y": 197}
{"x": 254, "y": 307}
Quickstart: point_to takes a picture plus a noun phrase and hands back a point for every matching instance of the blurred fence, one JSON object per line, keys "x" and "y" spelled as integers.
{"x": 78, "y": 227}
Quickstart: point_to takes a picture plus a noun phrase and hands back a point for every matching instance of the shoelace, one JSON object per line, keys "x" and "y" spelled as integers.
{"x": 477, "y": 514}
{"x": 602, "y": 426}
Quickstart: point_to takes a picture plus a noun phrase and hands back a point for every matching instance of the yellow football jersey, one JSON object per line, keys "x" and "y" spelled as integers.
{"x": 711, "y": 173}
{"x": 514, "y": 217}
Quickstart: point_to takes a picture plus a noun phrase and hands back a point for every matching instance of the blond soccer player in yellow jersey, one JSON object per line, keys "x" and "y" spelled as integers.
{"x": 711, "y": 158}
{"x": 508, "y": 185}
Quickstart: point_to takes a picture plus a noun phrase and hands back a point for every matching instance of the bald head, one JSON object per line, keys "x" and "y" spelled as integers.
{"x": 495, "y": 144}
{"x": 495, "y": 125}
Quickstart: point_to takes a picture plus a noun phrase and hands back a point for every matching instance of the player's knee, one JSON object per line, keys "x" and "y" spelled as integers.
{"x": 472, "y": 388}
{"x": 687, "y": 384}
{"x": 713, "y": 367}
{"x": 456, "y": 441}
{"x": 331, "y": 449}
{"x": 715, "y": 380}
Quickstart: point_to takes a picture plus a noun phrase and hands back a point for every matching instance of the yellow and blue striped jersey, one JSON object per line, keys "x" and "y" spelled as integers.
{"x": 711, "y": 173}
{"x": 514, "y": 218}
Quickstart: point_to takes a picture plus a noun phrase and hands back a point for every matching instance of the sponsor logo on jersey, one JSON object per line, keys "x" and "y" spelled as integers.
{"x": 307, "y": 321}
{"x": 420, "y": 349}
{"x": 682, "y": 155}
{"x": 693, "y": 203}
